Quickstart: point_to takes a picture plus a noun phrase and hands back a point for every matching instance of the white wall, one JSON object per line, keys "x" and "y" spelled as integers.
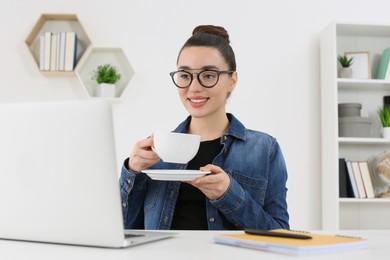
{"x": 277, "y": 50}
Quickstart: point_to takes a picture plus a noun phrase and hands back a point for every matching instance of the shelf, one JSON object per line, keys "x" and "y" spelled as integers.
{"x": 357, "y": 140}
{"x": 57, "y": 23}
{"x": 366, "y": 84}
{"x": 362, "y": 30}
{"x": 375, "y": 200}
{"x": 336, "y": 39}
{"x": 98, "y": 56}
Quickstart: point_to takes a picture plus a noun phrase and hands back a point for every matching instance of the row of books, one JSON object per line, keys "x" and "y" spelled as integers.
{"x": 384, "y": 68}
{"x": 355, "y": 179}
{"x": 57, "y": 51}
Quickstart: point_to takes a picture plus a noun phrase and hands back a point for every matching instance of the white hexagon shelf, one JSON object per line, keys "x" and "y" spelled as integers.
{"x": 57, "y": 23}
{"x": 99, "y": 56}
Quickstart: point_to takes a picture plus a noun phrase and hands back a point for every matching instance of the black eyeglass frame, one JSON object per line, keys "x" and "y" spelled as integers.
{"x": 172, "y": 74}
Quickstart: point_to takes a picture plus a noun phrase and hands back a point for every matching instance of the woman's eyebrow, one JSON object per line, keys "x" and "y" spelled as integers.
{"x": 207, "y": 67}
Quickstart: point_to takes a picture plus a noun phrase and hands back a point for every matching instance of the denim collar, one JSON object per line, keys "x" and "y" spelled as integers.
{"x": 236, "y": 128}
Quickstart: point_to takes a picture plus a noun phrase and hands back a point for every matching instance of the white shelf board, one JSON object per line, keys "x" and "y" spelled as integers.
{"x": 373, "y": 200}
{"x": 361, "y": 140}
{"x": 368, "y": 84}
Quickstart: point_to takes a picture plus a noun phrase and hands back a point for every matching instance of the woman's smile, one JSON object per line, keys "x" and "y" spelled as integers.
{"x": 198, "y": 101}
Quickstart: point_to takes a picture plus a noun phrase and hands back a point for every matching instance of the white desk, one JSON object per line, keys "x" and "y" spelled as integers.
{"x": 186, "y": 245}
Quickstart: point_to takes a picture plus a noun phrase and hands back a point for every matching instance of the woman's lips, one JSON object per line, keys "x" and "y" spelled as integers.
{"x": 198, "y": 102}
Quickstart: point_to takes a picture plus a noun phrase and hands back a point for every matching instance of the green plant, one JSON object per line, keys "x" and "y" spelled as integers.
{"x": 106, "y": 73}
{"x": 344, "y": 61}
{"x": 384, "y": 115}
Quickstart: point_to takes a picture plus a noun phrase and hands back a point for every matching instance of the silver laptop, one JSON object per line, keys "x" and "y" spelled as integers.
{"x": 59, "y": 178}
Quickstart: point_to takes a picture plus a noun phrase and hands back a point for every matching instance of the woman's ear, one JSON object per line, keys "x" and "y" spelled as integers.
{"x": 234, "y": 79}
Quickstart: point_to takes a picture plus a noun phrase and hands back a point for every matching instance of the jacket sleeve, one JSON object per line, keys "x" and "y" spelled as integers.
{"x": 133, "y": 191}
{"x": 241, "y": 209}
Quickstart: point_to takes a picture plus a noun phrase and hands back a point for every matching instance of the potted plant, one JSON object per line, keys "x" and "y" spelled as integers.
{"x": 106, "y": 76}
{"x": 384, "y": 115}
{"x": 346, "y": 63}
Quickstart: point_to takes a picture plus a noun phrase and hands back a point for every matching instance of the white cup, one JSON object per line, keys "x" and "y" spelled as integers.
{"x": 176, "y": 147}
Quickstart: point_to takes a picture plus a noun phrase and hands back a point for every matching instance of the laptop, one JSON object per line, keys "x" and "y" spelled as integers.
{"x": 59, "y": 178}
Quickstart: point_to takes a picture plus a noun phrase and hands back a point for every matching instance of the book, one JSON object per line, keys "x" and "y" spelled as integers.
{"x": 53, "y": 52}
{"x": 58, "y": 52}
{"x": 355, "y": 192}
{"x": 383, "y": 64}
{"x": 358, "y": 179}
{"x": 47, "y": 51}
{"x": 366, "y": 177}
{"x": 345, "y": 189}
{"x": 318, "y": 244}
{"x": 70, "y": 51}
{"x": 41, "y": 52}
{"x": 387, "y": 74}
{"x": 61, "y": 62}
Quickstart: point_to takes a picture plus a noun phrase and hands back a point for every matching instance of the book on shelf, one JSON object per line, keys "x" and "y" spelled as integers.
{"x": 358, "y": 179}
{"x": 58, "y": 52}
{"x": 47, "y": 50}
{"x": 61, "y": 61}
{"x": 351, "y": 175}
{"x": 383, "y": 65}
{"x": 366, "y": 177}
{"x": 70, "y": 51}
{"x": 41, "y": 52}
{"x": 345, "y": 186}
{"x": 53, "y": 52}
{"x": 317, "y": 244}
{"x": 387, "y": 74}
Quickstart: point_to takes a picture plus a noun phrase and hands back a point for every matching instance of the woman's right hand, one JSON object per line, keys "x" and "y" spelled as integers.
{"x": 142, "y": 157}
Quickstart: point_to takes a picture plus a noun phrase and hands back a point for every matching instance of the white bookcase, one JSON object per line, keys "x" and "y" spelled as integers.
{"x": 336, "y": 39}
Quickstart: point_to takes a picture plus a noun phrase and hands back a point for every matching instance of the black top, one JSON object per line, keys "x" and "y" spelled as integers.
{"x": 190, "y": 210}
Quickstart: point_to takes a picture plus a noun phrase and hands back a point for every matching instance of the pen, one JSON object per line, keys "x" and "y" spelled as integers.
{"x": 276, "y": 234}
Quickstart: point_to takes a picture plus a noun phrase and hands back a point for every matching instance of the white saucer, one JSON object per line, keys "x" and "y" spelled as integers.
{"x": 174, "y": 175}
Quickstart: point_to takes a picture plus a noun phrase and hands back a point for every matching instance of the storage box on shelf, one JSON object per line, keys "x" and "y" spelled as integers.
{"x": 98, "y": 56}
{"x": 57, "y": 23}
{"x": 336, "y": 39}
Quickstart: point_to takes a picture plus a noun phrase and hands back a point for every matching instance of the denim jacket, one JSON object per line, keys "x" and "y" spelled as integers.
{"x": 256, "y": 197}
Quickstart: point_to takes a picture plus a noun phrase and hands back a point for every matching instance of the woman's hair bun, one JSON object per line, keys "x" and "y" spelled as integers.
{"x": 212, "y": 29}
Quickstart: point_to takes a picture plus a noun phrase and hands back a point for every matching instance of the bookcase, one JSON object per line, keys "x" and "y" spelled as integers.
{"x": 87, "y": 56}
{"x": 336, "y": 39}
{"x": 57, "y": 23}
{"x": 96, "y": 56}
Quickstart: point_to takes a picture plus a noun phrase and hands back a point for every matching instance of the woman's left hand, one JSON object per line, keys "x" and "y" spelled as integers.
{"x": 213, "y": 185}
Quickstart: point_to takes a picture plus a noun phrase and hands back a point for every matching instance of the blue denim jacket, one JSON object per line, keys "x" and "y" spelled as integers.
{"x": 256, "y": 197}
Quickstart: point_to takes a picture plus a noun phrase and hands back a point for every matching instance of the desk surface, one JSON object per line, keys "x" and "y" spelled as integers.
{"x": 187, "y": 245}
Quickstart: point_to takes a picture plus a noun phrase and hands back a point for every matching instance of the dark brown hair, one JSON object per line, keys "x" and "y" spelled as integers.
{"x": 213, "y": 36}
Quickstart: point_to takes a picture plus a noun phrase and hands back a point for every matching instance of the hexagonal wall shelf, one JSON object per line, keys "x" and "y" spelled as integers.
{"x": 57, "y": 23}
{"x": 98, "y": 56}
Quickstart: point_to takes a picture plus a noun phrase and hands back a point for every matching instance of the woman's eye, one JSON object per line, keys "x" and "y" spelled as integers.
{"x": 208, "y": 76}
{"x": 184, "y": 76}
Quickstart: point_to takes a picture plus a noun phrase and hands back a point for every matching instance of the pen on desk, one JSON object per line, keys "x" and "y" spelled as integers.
{"x": 276, "y": 234}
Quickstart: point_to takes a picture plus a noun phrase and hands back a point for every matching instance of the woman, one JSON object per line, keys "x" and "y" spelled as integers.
{"x": 247, "y": 187}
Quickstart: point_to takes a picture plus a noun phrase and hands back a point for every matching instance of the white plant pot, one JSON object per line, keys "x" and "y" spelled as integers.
{"x": 105, "y": 90}
{"x": 386, "y": 132}
{"x": 345, "y": 73}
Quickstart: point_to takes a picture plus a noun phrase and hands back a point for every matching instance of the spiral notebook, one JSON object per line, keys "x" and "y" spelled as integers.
{"x": 318, "y": 244}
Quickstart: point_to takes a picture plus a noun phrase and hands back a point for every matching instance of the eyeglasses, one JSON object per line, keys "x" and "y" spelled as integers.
{"x": 207, "y": 78}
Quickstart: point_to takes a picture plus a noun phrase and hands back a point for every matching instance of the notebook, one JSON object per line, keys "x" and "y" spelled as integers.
{"x": 59, "y": 178}
{"x": 315, "y": 245}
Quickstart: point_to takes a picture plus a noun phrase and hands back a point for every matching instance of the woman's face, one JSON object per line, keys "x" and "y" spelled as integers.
{"x": 200, "y": 101}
